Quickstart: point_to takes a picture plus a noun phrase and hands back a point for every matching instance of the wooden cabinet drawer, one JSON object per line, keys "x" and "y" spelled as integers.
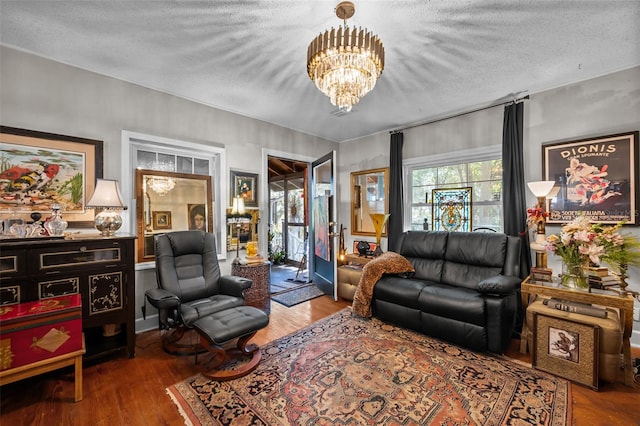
{"x": 85, "y": 255}
{"x": 10, "y": 292}
{"x": 12, "y": 262}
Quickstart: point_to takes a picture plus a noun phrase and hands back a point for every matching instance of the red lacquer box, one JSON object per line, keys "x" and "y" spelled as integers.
{"x": 33, "y": 331}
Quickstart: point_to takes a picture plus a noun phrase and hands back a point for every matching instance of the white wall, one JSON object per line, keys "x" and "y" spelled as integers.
{"x": 605, "y": 105}
{"x": 39, "y": 94}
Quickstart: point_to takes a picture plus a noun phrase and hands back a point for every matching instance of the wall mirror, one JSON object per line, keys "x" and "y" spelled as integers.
{"x": 167, "y": 202}
{"x": 369, "y": 194}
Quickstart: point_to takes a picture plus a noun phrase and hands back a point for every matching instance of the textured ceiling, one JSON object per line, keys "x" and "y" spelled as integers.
{"x": 249, "y": 57}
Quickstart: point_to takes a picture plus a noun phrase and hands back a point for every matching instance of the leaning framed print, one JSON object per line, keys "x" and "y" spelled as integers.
{"x": 244, "y": 185}
{"x": 597, "y": 178}
{"x": 364, "y": 248}
{"x": 566, "y": 348}
{"x": 39, "y": 169}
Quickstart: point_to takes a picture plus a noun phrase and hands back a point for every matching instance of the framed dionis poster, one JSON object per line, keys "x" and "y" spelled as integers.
{"x": 597, "y": 178}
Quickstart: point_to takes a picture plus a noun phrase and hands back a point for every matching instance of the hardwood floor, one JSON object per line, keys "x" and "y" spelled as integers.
{"x": 123, "y": 391}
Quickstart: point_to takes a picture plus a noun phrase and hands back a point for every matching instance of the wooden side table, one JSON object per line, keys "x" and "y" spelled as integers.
{"x": 531, "y": 290}
{"x": 258, "y": 295}
{"x": 356, "y": 259}
{"x": 46, "y": 365}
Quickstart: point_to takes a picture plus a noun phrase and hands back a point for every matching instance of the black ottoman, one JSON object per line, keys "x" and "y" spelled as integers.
{"x": 242, "y": 323}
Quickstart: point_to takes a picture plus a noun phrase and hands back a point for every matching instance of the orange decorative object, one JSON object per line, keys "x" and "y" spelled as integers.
{"x": 252, "y": 248}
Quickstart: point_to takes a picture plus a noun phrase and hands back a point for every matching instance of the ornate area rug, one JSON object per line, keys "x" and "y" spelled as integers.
{"x": 297, "y": 295}
{"x": 344, "y": 370}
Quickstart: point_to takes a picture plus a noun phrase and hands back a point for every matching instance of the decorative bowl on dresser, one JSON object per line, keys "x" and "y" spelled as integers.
{"x": 100, "y": 269}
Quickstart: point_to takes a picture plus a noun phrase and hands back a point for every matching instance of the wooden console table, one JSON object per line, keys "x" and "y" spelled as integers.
{"x": 530, "y": 290}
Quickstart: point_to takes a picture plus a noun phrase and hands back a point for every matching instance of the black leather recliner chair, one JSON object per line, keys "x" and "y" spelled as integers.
{"x": 190, "y": 286}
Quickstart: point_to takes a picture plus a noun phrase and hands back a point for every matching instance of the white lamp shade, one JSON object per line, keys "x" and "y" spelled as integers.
{"x": 238, "y": 205}
{"x": 554, "y": 191}
{"x": 541, "y": 188}
{"x": 106, "y": 195}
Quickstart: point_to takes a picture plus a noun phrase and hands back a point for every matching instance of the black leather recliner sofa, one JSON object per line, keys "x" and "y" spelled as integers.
{"x": 465, "y": 288}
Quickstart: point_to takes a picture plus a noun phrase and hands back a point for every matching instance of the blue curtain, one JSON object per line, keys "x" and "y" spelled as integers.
{"x": 396, "y": 200}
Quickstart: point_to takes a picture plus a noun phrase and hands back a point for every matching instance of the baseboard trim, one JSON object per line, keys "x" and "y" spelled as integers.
{"x": 150, "y": 323}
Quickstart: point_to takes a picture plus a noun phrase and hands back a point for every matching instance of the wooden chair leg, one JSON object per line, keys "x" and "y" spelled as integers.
{"x": 219, "y": 356}
{"x": 242, "y": 344}
{"x": 172, "y": 345}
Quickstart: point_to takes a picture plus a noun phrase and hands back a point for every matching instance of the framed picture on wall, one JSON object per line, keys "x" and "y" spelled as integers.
{"x": 41, "y": 169}
{"x": 197, "y": 217}
{"x": 596, "y": 177}
{"x": 161, "y": 220}
{"x": 244, "y": 185}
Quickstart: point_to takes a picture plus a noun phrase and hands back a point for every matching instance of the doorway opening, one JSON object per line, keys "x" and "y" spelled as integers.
{"x": 288, "y": 221}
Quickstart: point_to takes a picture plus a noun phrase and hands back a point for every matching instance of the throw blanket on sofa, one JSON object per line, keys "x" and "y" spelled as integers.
{"x": 386, "y": 263}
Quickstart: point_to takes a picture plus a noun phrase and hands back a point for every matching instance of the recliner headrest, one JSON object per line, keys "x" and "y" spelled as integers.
{"x": 186, "y": 242}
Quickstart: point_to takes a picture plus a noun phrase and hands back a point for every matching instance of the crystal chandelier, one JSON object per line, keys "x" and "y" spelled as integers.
{"x": 161, "y": 185}
{"x": 345, "y": 64}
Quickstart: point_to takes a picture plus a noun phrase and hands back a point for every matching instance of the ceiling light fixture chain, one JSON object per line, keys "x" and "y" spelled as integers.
{"x": 345, "y": 64}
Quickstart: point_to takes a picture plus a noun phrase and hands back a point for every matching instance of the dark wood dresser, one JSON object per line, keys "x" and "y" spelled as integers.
{"x": 101, "y": 270}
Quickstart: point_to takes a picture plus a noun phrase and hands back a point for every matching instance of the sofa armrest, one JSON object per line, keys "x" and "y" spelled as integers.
{"x": 162, "y": 299}
{"x": 500, "y": 285}
{"x": 234, "y": 285}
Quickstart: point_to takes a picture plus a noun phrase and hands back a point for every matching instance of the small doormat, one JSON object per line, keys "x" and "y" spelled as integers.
{"x": 297, "y": 295}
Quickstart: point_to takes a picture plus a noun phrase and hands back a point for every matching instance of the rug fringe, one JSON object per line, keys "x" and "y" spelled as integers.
{"x": 176, "y": 401}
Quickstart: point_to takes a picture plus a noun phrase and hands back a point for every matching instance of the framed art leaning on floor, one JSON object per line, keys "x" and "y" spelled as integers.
{"x": 566, "y": 348}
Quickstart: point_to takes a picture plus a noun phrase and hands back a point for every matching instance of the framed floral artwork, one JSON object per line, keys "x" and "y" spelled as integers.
{"x": 597, "y": 178}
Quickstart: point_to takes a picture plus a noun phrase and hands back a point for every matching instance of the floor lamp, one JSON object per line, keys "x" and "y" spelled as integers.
{"x": 237, "y": 210}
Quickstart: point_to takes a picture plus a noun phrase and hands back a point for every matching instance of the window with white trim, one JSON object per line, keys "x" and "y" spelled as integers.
{"x": 158, "y": 153}
{"x": 483, "y": 175}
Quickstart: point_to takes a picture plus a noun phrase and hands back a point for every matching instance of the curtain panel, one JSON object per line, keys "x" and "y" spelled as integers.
{"x": 396, "y": 199}
{"x": 514, "y": 189}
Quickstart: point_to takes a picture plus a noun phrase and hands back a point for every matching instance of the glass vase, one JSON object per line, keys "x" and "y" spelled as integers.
{"x": 573, "y": 276}
{"x": 55, "y": 226}
{"x": 378, "y": 220}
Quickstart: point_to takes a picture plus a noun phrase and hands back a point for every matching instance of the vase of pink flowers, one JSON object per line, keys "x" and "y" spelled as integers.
{"x": 582, "y": 243}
